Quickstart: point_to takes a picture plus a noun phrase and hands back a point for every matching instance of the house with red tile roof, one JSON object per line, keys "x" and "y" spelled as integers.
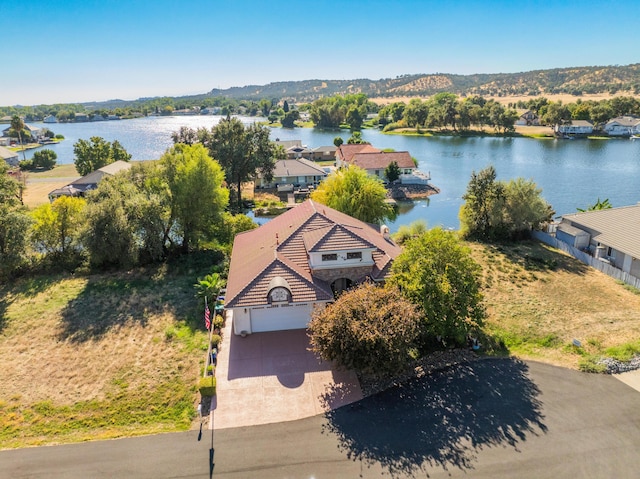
{"x": 375, "y": 162}
{"x": 285, "y": 269}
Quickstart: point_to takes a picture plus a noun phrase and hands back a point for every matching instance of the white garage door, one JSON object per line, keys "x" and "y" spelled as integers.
{"x": 278, "y": 318}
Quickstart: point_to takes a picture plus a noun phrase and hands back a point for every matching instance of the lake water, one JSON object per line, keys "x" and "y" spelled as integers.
{"x": 571, "y": 173}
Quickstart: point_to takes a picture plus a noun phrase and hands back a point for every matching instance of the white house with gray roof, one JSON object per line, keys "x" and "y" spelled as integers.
{"x": 10, "y": 157}
{"x": 612, "y": 235}
{"x": 297, "y": 172}
{"x": 623, "y": 126}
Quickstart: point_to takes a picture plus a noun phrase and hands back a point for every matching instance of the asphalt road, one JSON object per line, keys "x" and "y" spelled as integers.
{"x": 490, "y": 419}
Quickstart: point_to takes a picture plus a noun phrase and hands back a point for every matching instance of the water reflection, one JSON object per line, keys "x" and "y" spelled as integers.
{"x": 571, "y": 173}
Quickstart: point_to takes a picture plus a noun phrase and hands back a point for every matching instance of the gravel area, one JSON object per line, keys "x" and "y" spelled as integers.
{"x": 614, "y": 366}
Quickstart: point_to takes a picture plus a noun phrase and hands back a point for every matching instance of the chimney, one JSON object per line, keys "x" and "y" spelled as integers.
{"x": 384, "y": 231}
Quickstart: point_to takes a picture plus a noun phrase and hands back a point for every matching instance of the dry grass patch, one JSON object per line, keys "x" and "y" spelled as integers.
{"x": 99, "y": 356}
{"x": 540, "y": 299}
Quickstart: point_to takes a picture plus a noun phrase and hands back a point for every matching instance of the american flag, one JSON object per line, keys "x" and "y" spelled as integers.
{"x": 207, "y": 318}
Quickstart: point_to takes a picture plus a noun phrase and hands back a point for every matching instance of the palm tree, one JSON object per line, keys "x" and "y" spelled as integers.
{"x": 209, "y": 287}
{"x": 18, "y": 125}
{"x": 598, "y": 205}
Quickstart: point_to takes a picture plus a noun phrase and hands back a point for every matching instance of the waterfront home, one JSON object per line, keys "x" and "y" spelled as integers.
{"x": 612, "y": 235}
{"x": 375, "y": 162}
{"x": 33, "y": 132}
{"x": 89, "y": 182}
{"x": 50, "y": 119}
{"x": 574, "y": 128}
{"x": 345, "y": 152}
{"x": 298, "y": 172}
{"x": 527, "y": 118}
{"x": 10, "y": 157}
{"x": 297, "y": 262}
{"x": 324, "y": 153}
{"x": 623, "y": 126}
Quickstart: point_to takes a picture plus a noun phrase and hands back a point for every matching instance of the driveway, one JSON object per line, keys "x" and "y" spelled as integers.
{"x": 490, "y": 419}
{"x": 273, "y": 377}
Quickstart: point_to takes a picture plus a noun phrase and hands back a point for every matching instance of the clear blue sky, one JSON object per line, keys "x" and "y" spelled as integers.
{"x": 85, "y": 50}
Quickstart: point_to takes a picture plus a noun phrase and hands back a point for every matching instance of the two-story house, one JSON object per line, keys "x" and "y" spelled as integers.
{"x": 284, "y": 270}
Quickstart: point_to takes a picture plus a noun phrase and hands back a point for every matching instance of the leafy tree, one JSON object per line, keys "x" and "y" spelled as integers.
{"x": 96, "y": 153}
{"x": 354, "y": 118}
{"x": 288, "y": 121}
{"x": 231, "y": 225}
{"x": 436, "y": 271}
{"x": 196, "y": 195}
{"x": 442, "y": 110}
{"x": 328, "y": 112}
{"x": 337, "y": 141}
{"x": 484, "y": 196}
{"x": 356, "y": 139}
{"x": 415, "y": 113}
{"x": 109, "y": 236}
{"x": 243, "y": 152}
{"x": 555, "y": 114}
{"x": 45, "y": 159}
{"x": 598, "y": 205}
{"x": 392, "y": 172}
{"x": 524, "y": 208}
{"x": 57, "y": 225}
{"x": 404, "y": 233}
{"x": 352, "y": 191}
{"x": 14, "y": 225}
{"x": 495, "y": 210}
{"x": 285, "y": 106}
{"x": 370, "y": 329}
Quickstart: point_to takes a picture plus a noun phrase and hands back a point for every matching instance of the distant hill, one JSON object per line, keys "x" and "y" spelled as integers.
{"x": 573, "y": 80}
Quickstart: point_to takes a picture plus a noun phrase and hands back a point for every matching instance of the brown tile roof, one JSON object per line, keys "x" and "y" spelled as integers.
{"x": 380, "y": 160}
{"x": 345, "y": 152}
{"x": 280, "y": 248}
{"x": 332, "y": 238}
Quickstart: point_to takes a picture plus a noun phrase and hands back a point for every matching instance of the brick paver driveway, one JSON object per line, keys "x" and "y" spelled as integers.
{"x": 272, "y": 377}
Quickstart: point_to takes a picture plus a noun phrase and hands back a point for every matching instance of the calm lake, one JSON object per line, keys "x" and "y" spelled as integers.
{"x": 571, "y": 173}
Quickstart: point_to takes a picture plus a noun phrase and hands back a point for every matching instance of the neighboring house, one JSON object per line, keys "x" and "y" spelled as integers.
{"x": 527, "y": 118}
{"x": 345, "y": 152}
{"x": 50, "y": 119}
{"x": 296, "y": 263}
{"x": 612, "y": 235}
{"x": 298, "y": 152}
{"x": 375, "y": 163}
{"x": 81, "y": 117}
{"x": 324, "y": 153}
{"x": 575, "y": 128}
{"x": 33, "y": 131}
{"x": 286, "y": 144}
{"x": 622, "y": 126}
{"x": 213, "y": 110}
{"x": 89, "y": 182}
{"x": 298, "y": 172}
{"x": 10, "y": 157}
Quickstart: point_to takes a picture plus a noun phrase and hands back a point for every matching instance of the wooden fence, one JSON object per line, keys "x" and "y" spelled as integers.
{"x": 587, "y": 259}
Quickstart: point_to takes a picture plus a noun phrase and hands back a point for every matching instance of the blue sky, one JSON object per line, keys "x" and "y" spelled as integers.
{"x": 76, "y": 51}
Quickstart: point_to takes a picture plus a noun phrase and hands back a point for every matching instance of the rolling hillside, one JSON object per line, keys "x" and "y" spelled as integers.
{"x": 573, "y": 80}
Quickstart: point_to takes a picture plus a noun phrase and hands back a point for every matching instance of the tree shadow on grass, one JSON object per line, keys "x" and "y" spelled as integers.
{"x": 441, "y": 420}
{"x": 107, "y": 302}
{"x": 4, "y": 305}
